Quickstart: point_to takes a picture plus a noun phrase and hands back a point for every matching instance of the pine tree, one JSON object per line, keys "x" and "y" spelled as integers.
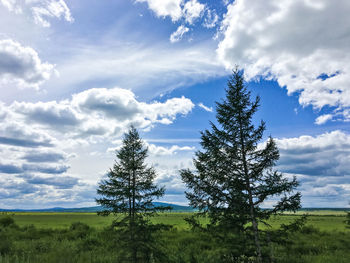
{"x": 347, "y": 221}
{"x": 128, "y": 192}
{"x": 233, "y": 174}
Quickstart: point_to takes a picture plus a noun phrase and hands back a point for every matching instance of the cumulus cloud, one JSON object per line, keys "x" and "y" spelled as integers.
{"x": 166, "y": 112}
{"x": 192, "y": 10}
{"x": 27, "y": 174}
{"x": 45, "y": 156}
{"x": 115, "y": 103}
{"x": 22, "y": 65}
{"x": 176, "y": 9}
{"x": 174, "y": 149}
{"x": 49, "y": 113}
{"x": 61, "y": 182}
{"x": 178, "y": 34}
{"x": 16, "y": 133}
{"x": 33, "y": 191}
{"x": 323, "y": 119}
{"x": 10, "y": 168}
{"x": 301, "y": 44}
{"x": 321, "y": 164}
{"x": 188, "y": 12}
{"x": 12, "y": 188}
{"x": 121, "y": 105}
{"x": 163, "y": 8}
{"x": 327, "y": 154}
{"x": 173, "y": 183}
{"x": 41, "y": 10}
{"x": 93, "y": 112}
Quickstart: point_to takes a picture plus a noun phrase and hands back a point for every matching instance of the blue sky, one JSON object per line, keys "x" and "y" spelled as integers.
{"x": 75, "y": 74}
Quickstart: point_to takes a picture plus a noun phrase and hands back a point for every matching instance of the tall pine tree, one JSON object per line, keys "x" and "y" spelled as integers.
{"x": 128, "y": 192}
{"x": 233, "y": 174}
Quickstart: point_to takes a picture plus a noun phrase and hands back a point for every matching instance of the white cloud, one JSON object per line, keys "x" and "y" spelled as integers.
{"x": 16, "y": 133}
{"x": 164, "y": 8}
{"x": 41, "y": 10}
{"x": 49, "y": 113}
{"x": 193, "y": 10}
{"x": 174, "y": 149}
{"x": 12, "y": 5}
{"x": 321, "y": 164}
{"x": 302, "y": 44}
{"x": 208, "y": 109}
{"x": 211, "y": 19}
{"x": 93, "y": 112}
{"x": 115, "y": 103}
{"x": 323, "y": 119}
{"x": 178, "y": 34}
{"x": 22, "y": 65}
{"x": 49, "y": 8}
{"x": 326, "y": 155}
{"x": 152, "y": 69}
{"x": 121, "y": 105}
{"x": 176, "y": 9}
{"x": 33, "y": 191}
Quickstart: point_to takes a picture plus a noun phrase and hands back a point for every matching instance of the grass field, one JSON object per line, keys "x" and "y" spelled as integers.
{"x": 324, "y": 220}
{"x": 46, "y": 237}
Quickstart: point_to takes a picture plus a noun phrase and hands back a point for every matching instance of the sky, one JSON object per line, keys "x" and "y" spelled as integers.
{"x": 74, "y": 75}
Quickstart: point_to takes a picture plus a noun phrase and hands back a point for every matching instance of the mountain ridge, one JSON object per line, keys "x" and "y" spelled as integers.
{"x": 92, "y": 209}
{"x": 175, "y": 208}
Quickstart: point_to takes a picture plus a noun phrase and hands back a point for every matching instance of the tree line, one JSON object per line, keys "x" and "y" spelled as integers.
{"x": 234, "y": 175}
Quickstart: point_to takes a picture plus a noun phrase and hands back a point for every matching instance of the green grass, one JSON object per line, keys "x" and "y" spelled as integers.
{"x": 324, "y": 220}
{"x": 60, "y": 220}
{"x": 52, "y": 238}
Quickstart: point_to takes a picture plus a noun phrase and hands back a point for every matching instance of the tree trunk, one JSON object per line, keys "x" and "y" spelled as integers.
{"x": 133, "y": 245}
{"x": 251, "y": 203}
{"x": 131, "y": 227}
{"x": 134, "y": 252}
{"x": 255, "y": 226}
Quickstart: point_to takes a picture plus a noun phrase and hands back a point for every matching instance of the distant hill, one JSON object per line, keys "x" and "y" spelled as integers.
{"x": 324, "y": 209}
{"x": 93, "y": 209}
{"x": 175, "y": 208}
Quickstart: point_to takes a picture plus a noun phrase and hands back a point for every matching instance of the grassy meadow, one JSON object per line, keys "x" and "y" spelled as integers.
{"x": 57, "y": 237}
{"x": 325, "y": 220}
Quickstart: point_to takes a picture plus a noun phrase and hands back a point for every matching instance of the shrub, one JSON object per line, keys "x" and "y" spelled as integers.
{"x": 7, "y": 221}
{"x": 5, "y": 243}
{"x": 78, "y": 230}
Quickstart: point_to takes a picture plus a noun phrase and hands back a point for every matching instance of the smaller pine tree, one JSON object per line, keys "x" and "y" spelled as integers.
{"x": 128, "y": 192}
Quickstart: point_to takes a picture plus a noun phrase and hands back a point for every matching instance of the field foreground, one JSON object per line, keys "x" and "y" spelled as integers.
{"x": 323, "y": 220}
{"x": 46, "y": 237}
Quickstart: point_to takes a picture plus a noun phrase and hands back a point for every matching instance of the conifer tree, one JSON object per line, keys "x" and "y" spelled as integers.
{"x": 128, "y": 192}
{"x": 347, "y": 221}
{"x": 233, "y": 174}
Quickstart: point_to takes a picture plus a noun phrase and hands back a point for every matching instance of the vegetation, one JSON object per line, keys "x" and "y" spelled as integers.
{"x": 234, "y": 176}
{"x": 82, "y": 242}
{"x": 328, "y": 221}
{"x": 128, "y": 193}
{"x": 348, "y": 220}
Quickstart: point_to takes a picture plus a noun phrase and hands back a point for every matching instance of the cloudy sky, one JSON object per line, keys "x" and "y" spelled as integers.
{"x": 74, "y": 74}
